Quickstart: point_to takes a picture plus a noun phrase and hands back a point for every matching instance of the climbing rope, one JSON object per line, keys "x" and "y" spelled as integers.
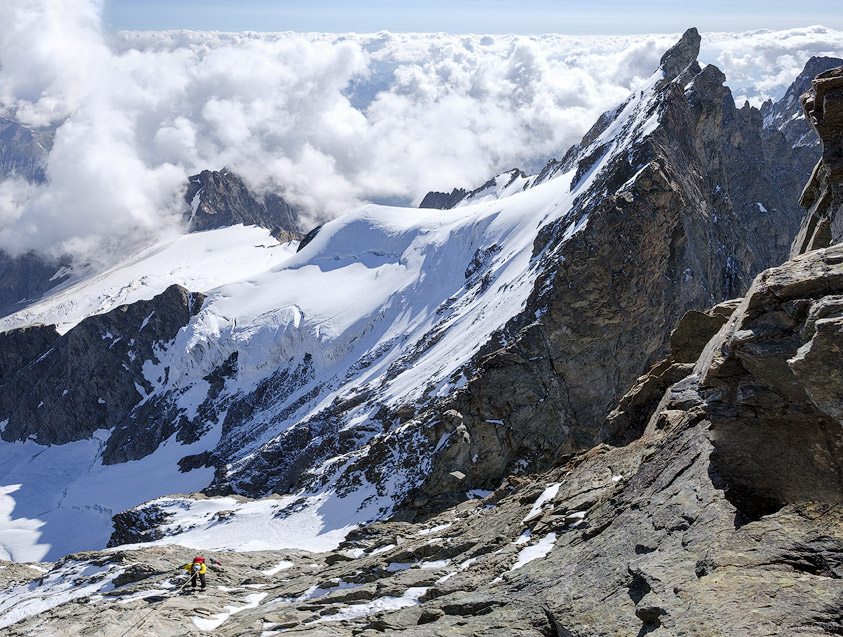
{"x": 153, "y": 611}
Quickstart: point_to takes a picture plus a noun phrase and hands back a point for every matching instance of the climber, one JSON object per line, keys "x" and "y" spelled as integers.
{"x": 198, "y": 569}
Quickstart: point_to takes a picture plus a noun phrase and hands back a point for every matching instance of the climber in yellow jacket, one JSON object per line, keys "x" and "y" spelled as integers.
{"x": 196, "y": 569}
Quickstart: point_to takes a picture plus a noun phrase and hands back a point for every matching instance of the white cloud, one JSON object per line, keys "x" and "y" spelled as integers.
{"x": 762, "y": 64}
{"x": 331, "y": 121}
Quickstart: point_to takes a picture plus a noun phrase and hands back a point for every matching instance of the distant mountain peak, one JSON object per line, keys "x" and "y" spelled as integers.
{"x": 682, "y": 54}
{"x": 218, "y": 199}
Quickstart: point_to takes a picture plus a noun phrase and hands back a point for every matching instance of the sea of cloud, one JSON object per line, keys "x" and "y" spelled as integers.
{"x": 330, "y": 121}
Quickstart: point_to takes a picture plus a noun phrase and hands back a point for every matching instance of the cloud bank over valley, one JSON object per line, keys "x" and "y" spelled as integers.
{"x": 328, "y": 121}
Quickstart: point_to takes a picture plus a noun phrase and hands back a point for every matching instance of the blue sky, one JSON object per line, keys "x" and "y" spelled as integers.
{"x": 472, "y": 16}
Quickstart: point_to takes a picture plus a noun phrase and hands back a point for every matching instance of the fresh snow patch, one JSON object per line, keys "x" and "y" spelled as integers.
{"x": 409, "y": 598}
{"x": 194, "y": 203}
{"x": 442, "y": 440}
{"x": 278, "y": 568}
{"x": 61, "y": 273}
{"x": 383, "y": 549}
{"x": 146, "y": 321}
{"x": 435, "y": 529}
{"x": 395, "y": 567}
{"x": 547, "y": 495}
{"x": 535, "y": 552}
{"x": 524, "y": 537}
{"x": 215, "y": 621}
{"x": 617, "y": 478}
{"x": 435, "y": 564}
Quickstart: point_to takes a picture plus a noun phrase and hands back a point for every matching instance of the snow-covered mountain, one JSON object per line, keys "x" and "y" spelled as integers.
{"x": 404, "y": 359}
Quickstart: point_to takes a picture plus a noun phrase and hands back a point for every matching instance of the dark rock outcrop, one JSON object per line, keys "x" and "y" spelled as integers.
{"x": 822, "y": 226}
{"x": 310, "y": 236}
{"x": 775, "y": 388}
{"x": 23, "y": 150}
{"x": 42, "y": 398}
{"x": 220, "y": 198}
{"x": 495, "y": 185}
{"x": 22, "y": 346}
{"x": 443, "y": 200}
{"x": 138, "y": 525}
{"x": 26, "y": 277}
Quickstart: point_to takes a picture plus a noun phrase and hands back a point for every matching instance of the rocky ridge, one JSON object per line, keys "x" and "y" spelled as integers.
{"x": 108, "y": 351}
{"x": 220, "y": 198}
{"x": 787, "y": 115}
{"x": 502, "y": 185}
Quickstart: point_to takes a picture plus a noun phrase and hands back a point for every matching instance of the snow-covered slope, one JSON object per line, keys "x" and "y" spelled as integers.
{"x": 374, "y": 286}
{"x": 319, "y": 374}
{"x": 198, "y": 261}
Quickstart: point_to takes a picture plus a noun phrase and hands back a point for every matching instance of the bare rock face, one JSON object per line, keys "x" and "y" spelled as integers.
{"x": 822, "y": 226}
{"x": 681, "y": 55}
{"x": 41, "y": 395}
{"x": 494, "y": 187}
{"x": 219, "y": 199}
{"x": 776, "y": 388}
{"x": 22, "y": 346}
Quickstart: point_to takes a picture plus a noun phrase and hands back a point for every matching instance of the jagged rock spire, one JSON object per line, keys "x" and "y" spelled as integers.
{"x": 680, "y": 55}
